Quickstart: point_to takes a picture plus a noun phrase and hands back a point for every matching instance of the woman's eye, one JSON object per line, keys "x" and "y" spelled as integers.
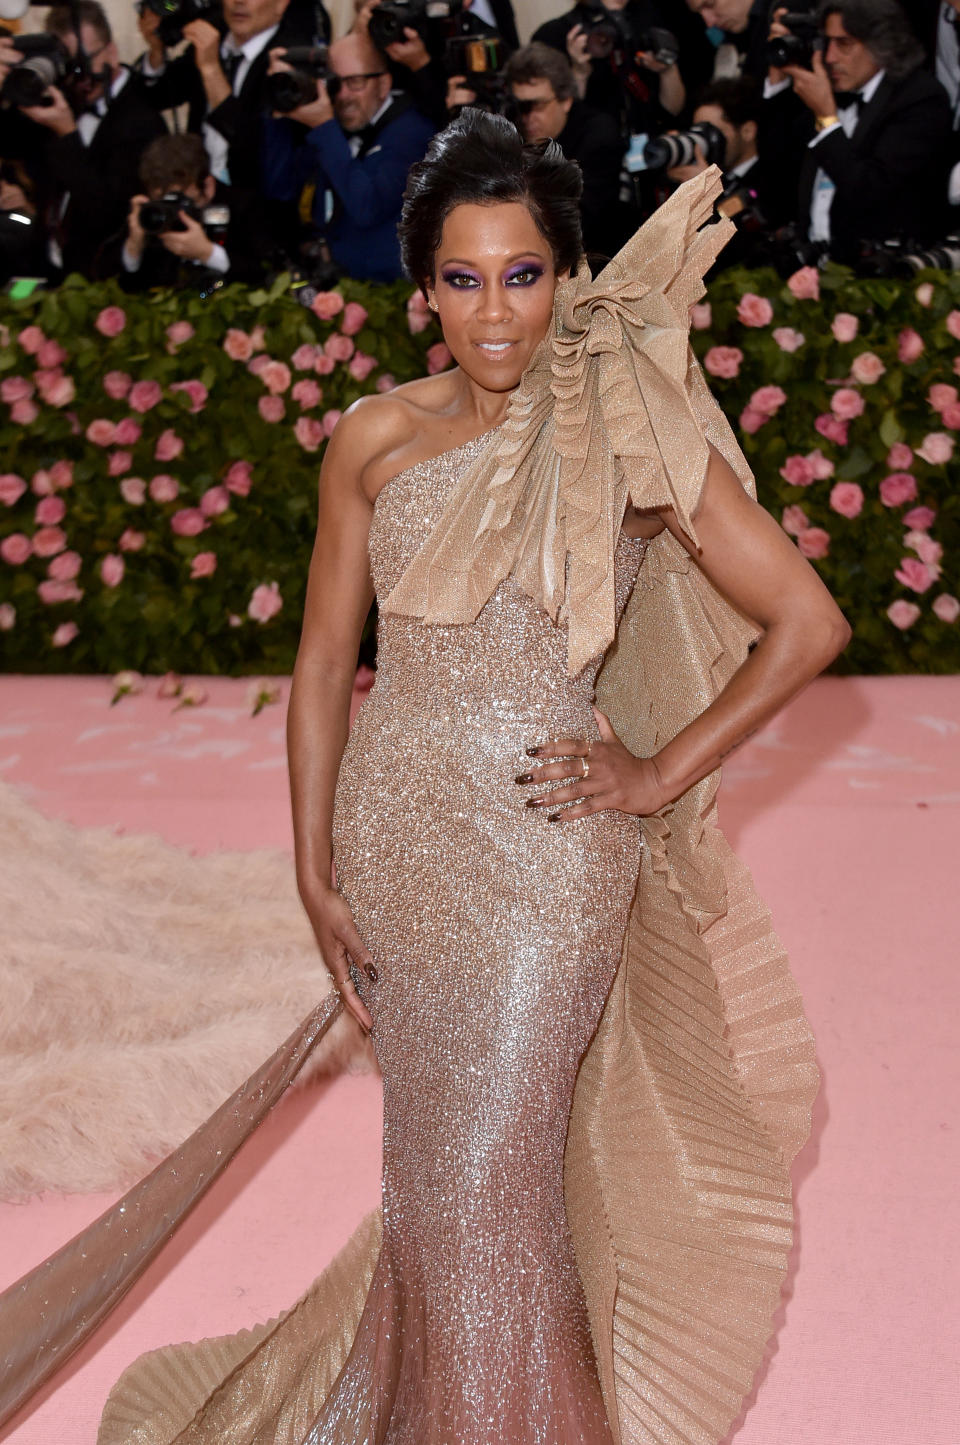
{"x": 526, "y": 277}
{"x": 460, "y": 280}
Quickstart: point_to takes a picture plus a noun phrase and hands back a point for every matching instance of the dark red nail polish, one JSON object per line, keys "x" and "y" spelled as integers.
{"x": 553, "y": 817}
{"x": 524, "y": 778}
{"x": 533, "y": 802}
{"x": 533, "y": 752}
{"x": 372, "y": 973}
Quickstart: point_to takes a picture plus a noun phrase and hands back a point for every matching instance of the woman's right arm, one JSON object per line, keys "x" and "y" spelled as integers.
{"x": 339, "y": 593}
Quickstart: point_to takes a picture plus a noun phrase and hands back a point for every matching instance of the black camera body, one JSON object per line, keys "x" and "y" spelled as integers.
{"x": 680, "y": 148}
{"x": 46, "y": 61}
{"x": 157, "y": 217}
{"x": 287, "y": 90}
{"x": 175, "y": 14}
{"x": 904, "y": 258}
{"x": 427, "y": 17}
{"x": 800, "y": 46}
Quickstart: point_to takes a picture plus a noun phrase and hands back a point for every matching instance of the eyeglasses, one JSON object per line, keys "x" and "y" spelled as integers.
{"x": 526, "y": 107}
{"x": 354, "y": 83}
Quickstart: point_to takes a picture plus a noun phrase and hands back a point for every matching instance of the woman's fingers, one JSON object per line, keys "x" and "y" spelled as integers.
{"x": 553, "y": 772}
{"x": 355, "y": 1004}
{"x": 560, "y": 748}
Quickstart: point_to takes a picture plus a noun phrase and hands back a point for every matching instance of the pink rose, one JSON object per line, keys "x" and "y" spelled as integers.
{"x": 164, "y": 488}
{"x": 15, "y": 548}
{"x": 8, "y": 616}
{"x": 64, "y": 634}
{"x": 327, "y": 305}
{"x": 754, "y": 310}
{"x": 847, "y": 404}
{"x": 12, "y": 488}
{"x": 238, "y": 478}
{"x": 814, "y": 542}
{"x": 937, "y": 448}
{"x": 847, "y": 499}
{"x": 111, "y": 321}
{"x": 22, "y": 413}
{"x": 797, "y": 471}
{"x": 805, "y": 284}
{"x": 169, "y": 446}
{"x": 131, "y": 541}
{"x": 768, "y": 399}
{"x": 307, "y": 394}
{"x": 924, "y": 293}
{"x": 179, "y": 332}
{"x": 61, "y": 474}
{"x": 258, "y": 338}
{"x": 821, "y": 466}
{"x": 845, "y": 326}
{"x": 112, "y": 569}
{"x": 898, "y": 488}
{"x": 265, "y": 602}
{"x": 795, "y": 520}
{"x": 170, "y": 685}
{"x": 950, "y": 416}
{"x": 60, "y": 392}
{"x": 386, "y": 382}
{"x": 330, "y": 419}
{"x": 338, "y": 347}
{"x": 926, "y": 548}
{"x": 723, "y": 361}
{"x": 919, "y": 519}
{"x": 238, "y": 345}
{"x": 946, "y": 607}
{"x": 899, "y": 457}
{"x": 195, "y": 390}
{"x": 272, "y": 408}
{"x": 65, "y": 567}
{"x": 52, "y": 355}
{"x": 910, "y": 346}
{"x": 915, "y": 574}
{"x": 47, "y": 541}
{"x": 50, "y": 511}
{"x": 144, "y": 395}
{"x": 701, "y": 316}
{"x": 31, "y": 339}
{"x": 903, "y": 614}
{"x": 438, "y": 357}
{"x": 133, "y": 490}
{"x": 303, "y": 358}
{"x": 953, "y": 325}
{"x": 204, "y": 564}
{"x": 361, "y": 365}
{"x": 119, "y": 463}
{"x": 324, "y": 364}
{"x": 867, "y": 368}
{"x": 256, "y": 364}
{"x": 752, "y": 420}
{"x": 188, "y": 522}
{"x": 788, "y": 339}
{"x": 354, "y": 318}
{"x": 419, "y": 314}
{"x": 275, "y": 376}
{"x": 42, "y": 484}
{"x": 15, "y": 388}
{"x": 941, "y": 395}
{"x": 309, "y": 433}
{"x": 215, "y": 501}
{"x": 116, "y": 384}
{"x": 101, "y": 432}
{"x": 51, "y": 592}
{"x": 127, "y": 433}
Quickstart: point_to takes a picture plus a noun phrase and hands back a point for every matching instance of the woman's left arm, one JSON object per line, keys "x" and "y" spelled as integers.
{"x": 750, "y": 559}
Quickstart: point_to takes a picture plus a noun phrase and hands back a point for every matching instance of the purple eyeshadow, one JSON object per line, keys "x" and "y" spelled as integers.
{"x": 531, "y": 266}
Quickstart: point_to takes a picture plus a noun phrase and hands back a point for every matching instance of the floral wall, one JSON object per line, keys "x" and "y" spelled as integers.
{"x": 160, "y": 457}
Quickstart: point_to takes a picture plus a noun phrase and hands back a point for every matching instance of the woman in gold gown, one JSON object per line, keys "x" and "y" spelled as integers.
{"x": 595, "y": 1062}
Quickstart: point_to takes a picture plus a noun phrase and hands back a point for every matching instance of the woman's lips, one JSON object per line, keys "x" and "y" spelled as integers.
{"x": 494, "y": 350}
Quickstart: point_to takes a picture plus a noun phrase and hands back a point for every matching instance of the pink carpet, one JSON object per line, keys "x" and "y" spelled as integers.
{"x": 846, "y": 809}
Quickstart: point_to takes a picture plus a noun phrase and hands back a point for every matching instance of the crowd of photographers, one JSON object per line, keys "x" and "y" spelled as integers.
{"x": 245, "y": 140}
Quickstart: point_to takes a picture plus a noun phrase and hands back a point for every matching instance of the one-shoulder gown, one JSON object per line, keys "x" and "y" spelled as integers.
{"x": 497, "y": 935}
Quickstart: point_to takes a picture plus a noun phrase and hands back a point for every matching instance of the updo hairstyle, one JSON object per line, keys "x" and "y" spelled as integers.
{"x": 481, "y": 159}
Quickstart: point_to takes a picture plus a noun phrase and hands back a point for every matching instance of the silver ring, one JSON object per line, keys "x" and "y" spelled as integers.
{"x": 586, "y": 767}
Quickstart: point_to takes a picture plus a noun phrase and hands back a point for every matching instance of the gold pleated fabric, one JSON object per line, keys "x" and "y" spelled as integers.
{"x": 696, "y": 1090}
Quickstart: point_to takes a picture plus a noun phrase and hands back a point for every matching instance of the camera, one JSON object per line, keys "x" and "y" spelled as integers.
{"x": 389, "y": 20}
{"x": 904, "y": 258}
{"x": 799, "y": 47}
{"x": 287, "y": 90}
{"x": 681, "y": 148}
{"x": 175, "y": 14}
{"x": 46, "y": 61}
{"x": 162, "y": 215}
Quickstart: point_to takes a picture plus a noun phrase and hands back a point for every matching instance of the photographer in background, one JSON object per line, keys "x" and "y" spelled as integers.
{"x": 222, "y": 77}
{"x": 186, "y": 228}
{"x": 745, "y": 25}
{"x": 355, "y": 142}
{"x": 91, "y": 136}
{"x": 877, "y": 168}
{"x": 541, "y": 83}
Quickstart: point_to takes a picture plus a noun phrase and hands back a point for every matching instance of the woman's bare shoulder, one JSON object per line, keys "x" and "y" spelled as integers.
{"x": 378, "y": 434}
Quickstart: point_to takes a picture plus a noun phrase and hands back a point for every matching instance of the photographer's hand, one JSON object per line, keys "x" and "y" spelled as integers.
{"x": 813, "y": 86}
{"x": 57, "y": 117}
{"x": 777, "y": 31}
{"x": 9, "y": 57}
{"x": 673, "y": 92}
{"x": 136, "y": 237}
{"x": 458, "y": 92}
{"x": 579, "y": 58}
{"x": 679, "y": 174}
{"x": 316, "y": 112}
{"x": 205, "y": 39}
{"x": 410, "y": 51}
{"x": 190, "y": 244}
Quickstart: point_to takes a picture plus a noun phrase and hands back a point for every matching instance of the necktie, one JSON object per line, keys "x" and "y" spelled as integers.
{"x": 230, "y": 64}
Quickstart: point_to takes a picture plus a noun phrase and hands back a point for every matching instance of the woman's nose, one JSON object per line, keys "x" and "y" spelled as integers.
{"x": 494, "y": 303}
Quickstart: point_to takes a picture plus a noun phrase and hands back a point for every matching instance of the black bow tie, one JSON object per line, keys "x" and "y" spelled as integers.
{"x": 846, "y": 98}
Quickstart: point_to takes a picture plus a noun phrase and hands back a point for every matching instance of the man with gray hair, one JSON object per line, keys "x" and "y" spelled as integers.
{"x": 877, "y": 167}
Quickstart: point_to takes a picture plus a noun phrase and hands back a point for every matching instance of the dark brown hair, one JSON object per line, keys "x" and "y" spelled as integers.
{"x": 60, "y": 20}
{"x": 541, "y": 62}
{"x": 173, "y": 162}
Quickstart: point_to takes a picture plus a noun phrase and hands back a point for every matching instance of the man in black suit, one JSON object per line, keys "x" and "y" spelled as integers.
{"x": 90, "y": 140}
{"x": 745, "y": 25}
{"x": 878, "y": 166}
{"x": 222, "y": 77}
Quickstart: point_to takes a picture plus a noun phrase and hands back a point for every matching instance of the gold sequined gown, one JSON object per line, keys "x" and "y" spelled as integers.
{"x": 496, "y": 935}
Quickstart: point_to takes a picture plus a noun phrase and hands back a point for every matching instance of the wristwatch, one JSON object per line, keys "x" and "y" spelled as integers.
{"x": 823, "y": 122}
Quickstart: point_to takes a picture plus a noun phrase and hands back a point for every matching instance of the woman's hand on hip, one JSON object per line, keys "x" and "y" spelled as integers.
{"x": 340, "y": 944}
{"x": 604, "y": 775}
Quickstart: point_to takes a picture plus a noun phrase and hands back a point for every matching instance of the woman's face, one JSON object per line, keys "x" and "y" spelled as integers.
{"x": 493, "y": 290}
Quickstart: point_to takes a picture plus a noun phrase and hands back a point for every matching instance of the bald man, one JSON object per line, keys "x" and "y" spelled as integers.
{"x": 356, "y": 143}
